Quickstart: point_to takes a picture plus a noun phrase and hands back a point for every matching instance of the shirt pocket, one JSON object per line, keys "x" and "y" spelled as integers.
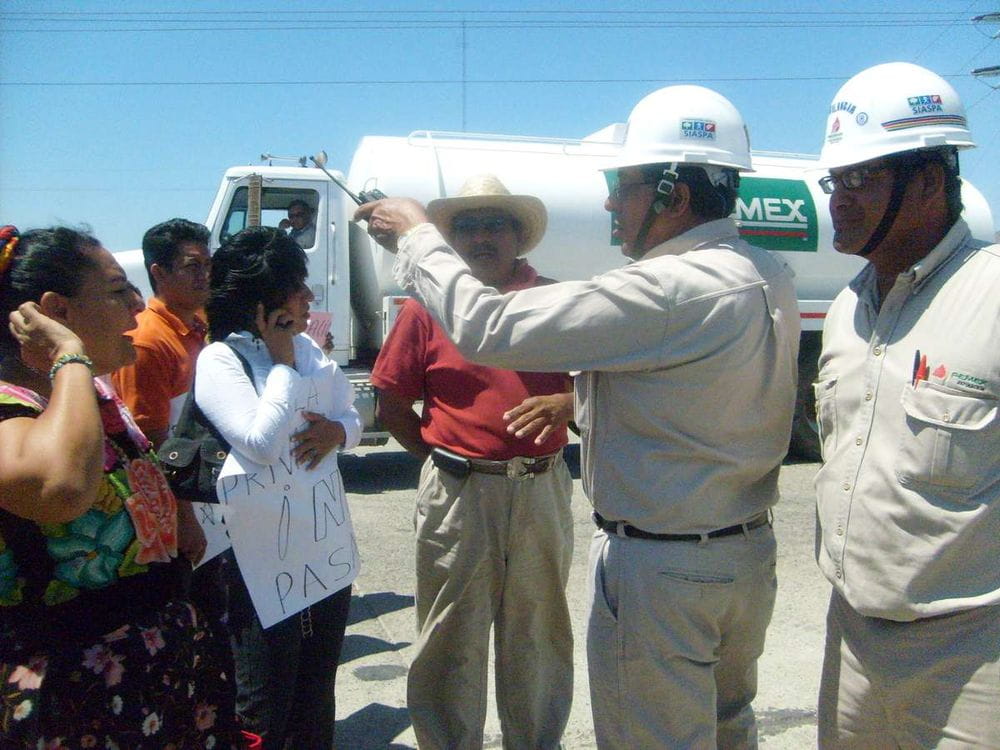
{"x": 949, "y": 439}
{"x": 826, "y": 414}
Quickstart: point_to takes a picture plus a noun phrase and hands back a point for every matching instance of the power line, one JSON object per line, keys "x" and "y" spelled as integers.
{"x": 410, "y": 26}
{"x": 286, "y": 20}
{"x": 473, "y": 12}
{"x": 440, "y": 81}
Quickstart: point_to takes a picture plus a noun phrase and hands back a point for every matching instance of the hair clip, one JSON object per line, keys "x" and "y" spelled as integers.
{"x": 10, "y": 238}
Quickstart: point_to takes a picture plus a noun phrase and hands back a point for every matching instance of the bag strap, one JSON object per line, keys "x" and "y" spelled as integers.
{"x": 191, "y": 412}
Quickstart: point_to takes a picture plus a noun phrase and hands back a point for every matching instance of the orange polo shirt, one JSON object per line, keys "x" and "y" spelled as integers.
{"x": 166, "y": 351}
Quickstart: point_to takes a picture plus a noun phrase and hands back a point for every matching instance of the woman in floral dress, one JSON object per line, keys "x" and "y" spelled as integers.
{"x": 95, "y": 648}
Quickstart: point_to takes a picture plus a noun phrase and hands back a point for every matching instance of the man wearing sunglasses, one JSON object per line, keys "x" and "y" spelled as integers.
{"x": 493, "y": 523}
{"x": 685, "y": 400}
{"x": 907, "y": 398}
{"x": 300, "y": 224}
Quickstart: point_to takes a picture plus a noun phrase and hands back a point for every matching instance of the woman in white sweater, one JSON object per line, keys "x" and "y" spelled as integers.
{"x": 257, "y": 315}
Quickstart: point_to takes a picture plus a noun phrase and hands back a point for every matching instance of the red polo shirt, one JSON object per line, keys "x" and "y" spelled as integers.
{"x": 463, "y": 403}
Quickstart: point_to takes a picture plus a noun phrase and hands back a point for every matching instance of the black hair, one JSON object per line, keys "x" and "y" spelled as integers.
{"x": 299, "y": 202}
{"x": 256, "y": 265}
{"x": 45, "y": 260}
{"x": 947, "y": 157}
{"x": 708, "y": 201}
{"x": 161, "y": 243}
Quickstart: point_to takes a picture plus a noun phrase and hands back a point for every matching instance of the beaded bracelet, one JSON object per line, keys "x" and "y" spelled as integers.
{"x": 67, "y": 359}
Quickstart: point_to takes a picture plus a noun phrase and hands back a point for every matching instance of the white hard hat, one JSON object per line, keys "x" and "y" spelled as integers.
{"x": 685, "y": 125}
{"x": 889, "y": 109}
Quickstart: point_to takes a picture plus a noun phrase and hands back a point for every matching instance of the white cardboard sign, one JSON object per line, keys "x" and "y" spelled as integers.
{"x": 290, "y": 527}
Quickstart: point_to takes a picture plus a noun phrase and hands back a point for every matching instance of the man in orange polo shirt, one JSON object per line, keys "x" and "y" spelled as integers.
{"x": 169, "y": 334}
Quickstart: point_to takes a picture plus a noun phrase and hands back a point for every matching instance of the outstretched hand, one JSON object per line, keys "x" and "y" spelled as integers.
{"x": 389, "y": 218}
{"x": 42, "y": 339}
{"x": 540, "y": 414}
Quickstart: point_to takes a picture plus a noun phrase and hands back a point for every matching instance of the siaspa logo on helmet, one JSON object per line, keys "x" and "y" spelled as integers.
{"x": 701, "y": 129}
{"x": 777, "y": 214}
{"x": 925, "y": 103}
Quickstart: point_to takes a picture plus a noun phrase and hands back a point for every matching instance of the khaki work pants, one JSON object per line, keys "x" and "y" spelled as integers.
{"x": 928, "y": 683}
{"x": 673, "y": 638}
{"x": 492, "y": 551}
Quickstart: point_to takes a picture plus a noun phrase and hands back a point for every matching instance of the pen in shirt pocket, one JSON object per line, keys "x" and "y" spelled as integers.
{"x": 919, "y": 368}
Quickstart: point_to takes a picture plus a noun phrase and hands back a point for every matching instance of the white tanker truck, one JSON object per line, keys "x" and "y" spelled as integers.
{"x": 780, "y": 207}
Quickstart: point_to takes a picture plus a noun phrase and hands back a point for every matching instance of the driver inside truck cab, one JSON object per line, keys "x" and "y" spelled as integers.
{"x": 301, "y": 223}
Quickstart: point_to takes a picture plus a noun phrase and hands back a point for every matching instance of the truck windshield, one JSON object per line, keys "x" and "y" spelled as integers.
{"x": 291, "y": 209}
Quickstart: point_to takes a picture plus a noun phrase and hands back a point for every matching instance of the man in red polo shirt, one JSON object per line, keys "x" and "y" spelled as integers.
{"x": 493, "y": 521}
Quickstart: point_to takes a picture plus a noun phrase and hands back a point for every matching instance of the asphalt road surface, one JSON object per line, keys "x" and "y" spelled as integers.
{"x": 371, "y": 682}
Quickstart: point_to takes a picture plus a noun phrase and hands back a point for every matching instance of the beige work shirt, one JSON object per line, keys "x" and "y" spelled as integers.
{"x": 909, "y": 496}
{"x": 688, "y": 360}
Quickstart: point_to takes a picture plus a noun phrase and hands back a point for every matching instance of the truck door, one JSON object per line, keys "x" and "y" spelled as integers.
{"x": 279, "y": 198}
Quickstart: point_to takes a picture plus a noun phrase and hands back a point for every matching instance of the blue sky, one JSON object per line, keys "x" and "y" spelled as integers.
{"x": 122, "y": 114}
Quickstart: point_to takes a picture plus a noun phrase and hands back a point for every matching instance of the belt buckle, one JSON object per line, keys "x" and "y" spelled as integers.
{"x": 519, "y": 468}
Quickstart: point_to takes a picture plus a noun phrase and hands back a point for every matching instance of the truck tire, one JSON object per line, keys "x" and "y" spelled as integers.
{"x": 805, "y": 443}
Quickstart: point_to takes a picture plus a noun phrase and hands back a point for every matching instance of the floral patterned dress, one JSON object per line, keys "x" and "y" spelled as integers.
{"x": 95, "y": 652}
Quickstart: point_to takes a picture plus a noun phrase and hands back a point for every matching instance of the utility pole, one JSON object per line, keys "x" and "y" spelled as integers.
{"x": 464, "y": 78}
{"x": 990, "y": 71}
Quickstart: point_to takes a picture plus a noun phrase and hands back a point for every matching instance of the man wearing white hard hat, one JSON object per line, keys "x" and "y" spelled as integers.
{"x": 907, "y": 398}
{"x": 493, "y": 522}
{"x": 685, "y": 400}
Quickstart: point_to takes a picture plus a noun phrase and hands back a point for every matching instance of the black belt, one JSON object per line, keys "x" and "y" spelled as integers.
{"x": 519, "y": 467}
{"x": 620, "y": 528}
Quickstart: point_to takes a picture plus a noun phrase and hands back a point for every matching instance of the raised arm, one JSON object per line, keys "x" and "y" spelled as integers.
{"x": 51, "y": 466}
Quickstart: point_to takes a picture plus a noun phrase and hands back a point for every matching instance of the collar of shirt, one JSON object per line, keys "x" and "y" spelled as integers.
{"x": 524, "y": 277}
{"x": 156, "y": 306}
{"x": 714, "y": 232}
{"x": 865, "y": 284}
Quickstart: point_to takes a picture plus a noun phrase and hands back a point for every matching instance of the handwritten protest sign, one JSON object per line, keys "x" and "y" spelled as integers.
{"x": 290, "y": 527}
{"x": 209, "y": 517}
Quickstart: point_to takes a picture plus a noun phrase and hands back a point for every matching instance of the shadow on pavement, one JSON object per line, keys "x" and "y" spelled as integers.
{"x": 375, "y": 605}
{"x": 373, "y": 728}
{"x": 379, "y": 471}
{"x": 776, "y": 721}
{"x": 357, "y": 646}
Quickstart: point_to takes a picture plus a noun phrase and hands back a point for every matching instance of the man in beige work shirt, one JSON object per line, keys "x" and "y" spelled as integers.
{"x": 688, "y": 360}
{"x": 907, "y": 397}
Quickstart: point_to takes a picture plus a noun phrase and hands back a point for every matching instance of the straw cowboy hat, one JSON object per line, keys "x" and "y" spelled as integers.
{"x": 486, "y": 191}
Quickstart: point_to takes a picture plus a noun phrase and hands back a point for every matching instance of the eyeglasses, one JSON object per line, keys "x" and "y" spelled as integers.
{"x": 852, "y": 179}
{"x": 194, "y": 268}
{"x": 621, "y": 192}
{"x": 473, "y": 224}
{"x": 298, "y": 215}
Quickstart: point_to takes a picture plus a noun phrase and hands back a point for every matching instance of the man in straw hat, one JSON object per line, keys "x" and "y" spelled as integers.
{"x": 688, "y": 360}
{"x": 493, "y": 523}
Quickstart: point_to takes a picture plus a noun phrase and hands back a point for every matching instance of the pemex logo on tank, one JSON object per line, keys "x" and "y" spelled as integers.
{"x": 777, "y": 214}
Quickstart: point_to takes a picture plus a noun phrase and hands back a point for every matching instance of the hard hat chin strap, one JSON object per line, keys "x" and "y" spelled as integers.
{"x": 664, "y": 192}
{"x": 901, "y": 176}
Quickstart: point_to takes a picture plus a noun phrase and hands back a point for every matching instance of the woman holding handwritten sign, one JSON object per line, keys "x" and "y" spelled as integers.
{"x": 288, "y": 594}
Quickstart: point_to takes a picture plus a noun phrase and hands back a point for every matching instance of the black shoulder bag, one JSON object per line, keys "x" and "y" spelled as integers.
{"x": 192, "y": 457}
